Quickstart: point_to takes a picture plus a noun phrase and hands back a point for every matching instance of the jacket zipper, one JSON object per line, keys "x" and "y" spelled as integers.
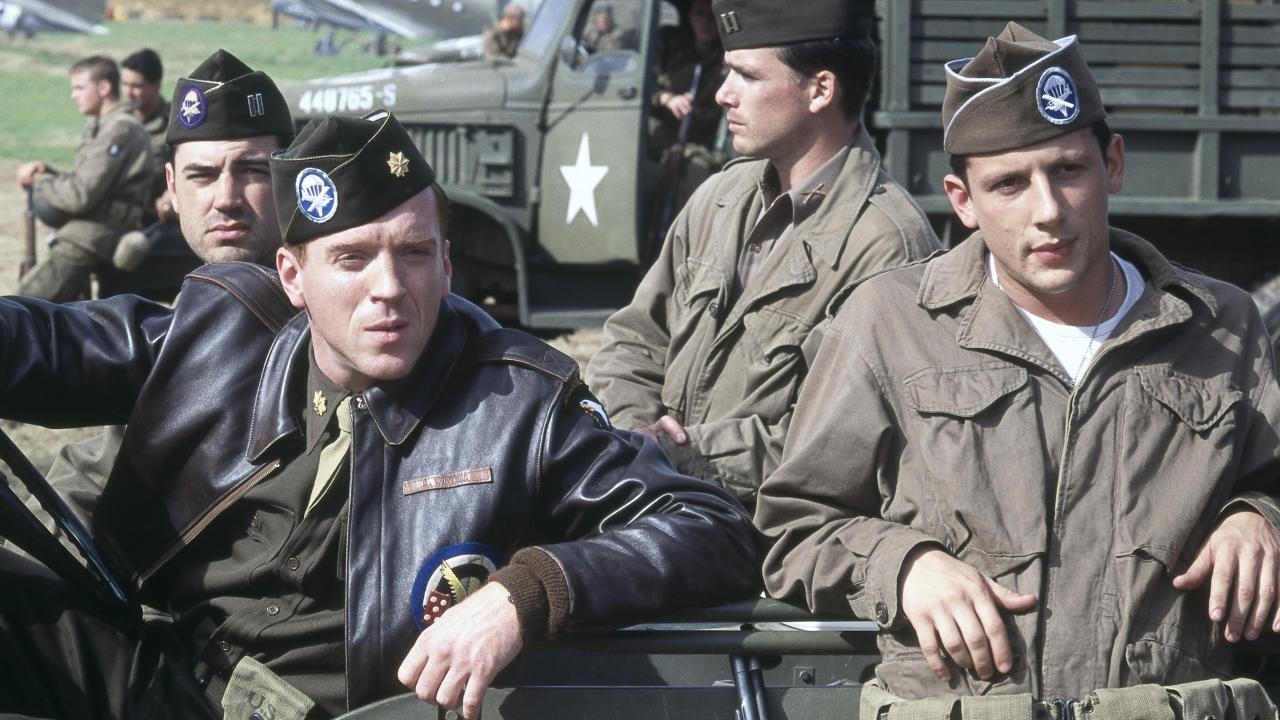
{"x": 209, "y": 516}
{"x": 358, "y": 403}
{"x": 1057, "y": 495}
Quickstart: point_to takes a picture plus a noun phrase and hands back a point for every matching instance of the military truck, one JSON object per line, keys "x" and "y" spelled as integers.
{"x": 545, "y": 155}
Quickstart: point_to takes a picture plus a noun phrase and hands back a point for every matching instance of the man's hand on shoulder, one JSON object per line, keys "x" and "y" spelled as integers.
{"x": 454, "y": 660}
{"x": 668, "y": 426}
{"x": 953, "y": 606}
{"x": 1242, "y": 551}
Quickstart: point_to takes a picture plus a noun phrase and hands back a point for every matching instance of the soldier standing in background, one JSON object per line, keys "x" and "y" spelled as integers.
{"x": 101, "y": 196}
{"x": 709, "y": 356}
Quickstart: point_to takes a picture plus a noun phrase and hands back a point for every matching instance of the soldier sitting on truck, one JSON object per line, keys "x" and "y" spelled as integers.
{"x": 100, "y": 197}
{"x": 709, "y": 355}
{"x": 502, "y": 39}
{"x": 686, "y": 54}
{"x": 1045, "y": 462}
{"x": 604, "y": 34}
{"x": 684, "y": 118}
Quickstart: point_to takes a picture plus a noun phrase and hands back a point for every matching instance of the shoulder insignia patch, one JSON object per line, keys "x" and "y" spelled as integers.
{"x": 447, "y": 578}
{"x": 596, "y": 412}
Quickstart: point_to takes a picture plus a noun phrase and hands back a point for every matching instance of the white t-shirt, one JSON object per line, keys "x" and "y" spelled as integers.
{"x": 1075, "y": 346}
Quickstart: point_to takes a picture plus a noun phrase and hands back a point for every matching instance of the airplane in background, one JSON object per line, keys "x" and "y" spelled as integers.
{"x": 413, "y": 19}
{"x": 29, "y": 17}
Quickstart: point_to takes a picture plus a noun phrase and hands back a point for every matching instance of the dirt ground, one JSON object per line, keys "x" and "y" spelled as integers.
{"x": 42, "y": 444}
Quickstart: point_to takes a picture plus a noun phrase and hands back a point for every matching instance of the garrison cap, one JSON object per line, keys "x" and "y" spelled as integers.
{"x": 223, "y": 99}
{"x": 768, "y": 23}
{"x": 342, "y": 172}
{"x": 1020, "y": 90}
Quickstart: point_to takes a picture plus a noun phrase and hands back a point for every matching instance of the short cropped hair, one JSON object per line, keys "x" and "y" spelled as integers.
{"x": 146, "y": 63}
{"x": 100, "y": 67}
{"x": 851, "y": 60}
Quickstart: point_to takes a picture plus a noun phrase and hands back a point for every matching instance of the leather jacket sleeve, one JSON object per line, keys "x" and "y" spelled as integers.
{"x": 77, "y": 364}
{"x": 639, "y": 537}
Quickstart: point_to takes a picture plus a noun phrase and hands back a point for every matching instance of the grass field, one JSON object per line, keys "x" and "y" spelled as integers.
{"x": 38, "y": 121}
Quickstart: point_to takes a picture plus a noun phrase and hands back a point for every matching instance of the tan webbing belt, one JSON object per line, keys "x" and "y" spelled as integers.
{"x": 1238, "y": 699}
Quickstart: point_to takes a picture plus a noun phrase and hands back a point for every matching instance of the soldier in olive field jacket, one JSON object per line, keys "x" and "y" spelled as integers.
{"x": 101, "y": 196}
{"x": 710, "y": 354}
{"x": 1045, "y": 462}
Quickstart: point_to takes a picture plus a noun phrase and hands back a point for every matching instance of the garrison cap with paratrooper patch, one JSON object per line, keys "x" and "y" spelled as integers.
{"x": 1021, "y": 89}
{"x": 768, "y": 23}
{"x": 342, "y": 172}
{"x": 223, "y": 99}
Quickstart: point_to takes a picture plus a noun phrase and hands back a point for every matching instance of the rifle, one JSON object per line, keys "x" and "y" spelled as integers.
{"x": 28, "y": 238}
{"x": 673, "y": 168}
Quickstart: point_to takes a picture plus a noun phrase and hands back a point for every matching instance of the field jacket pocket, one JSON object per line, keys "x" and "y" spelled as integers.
{"x": 1177, "y": 462}
{"x": 962, "y": 392}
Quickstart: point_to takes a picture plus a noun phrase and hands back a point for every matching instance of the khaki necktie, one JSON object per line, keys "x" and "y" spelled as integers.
{"x": 332, "y": 455}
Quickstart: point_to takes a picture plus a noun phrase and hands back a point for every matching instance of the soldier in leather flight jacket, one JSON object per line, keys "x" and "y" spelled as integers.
{"x": 310, "y": 494}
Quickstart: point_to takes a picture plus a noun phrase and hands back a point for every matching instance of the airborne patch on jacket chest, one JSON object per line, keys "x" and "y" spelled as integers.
{"x": 448, "y": 577}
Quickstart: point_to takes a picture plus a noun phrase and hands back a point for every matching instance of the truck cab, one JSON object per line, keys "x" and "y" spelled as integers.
{"x": 543, "y": 157}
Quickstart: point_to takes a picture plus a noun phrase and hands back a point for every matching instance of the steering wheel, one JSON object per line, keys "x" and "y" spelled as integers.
{"x": 94, "y": 574}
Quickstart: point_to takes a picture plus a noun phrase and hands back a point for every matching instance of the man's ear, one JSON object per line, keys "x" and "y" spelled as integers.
{"x": 824, "y": 91}
{"x": 961, "y": 201}
{"x": 290, "y": 269}
{"x": 169, "y": 175}
{"x": 1115, "y": 164}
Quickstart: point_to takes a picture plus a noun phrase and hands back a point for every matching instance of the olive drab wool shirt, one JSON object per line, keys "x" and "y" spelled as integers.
{"x": 729, "y": 368}
{"x": 934, "y": 414}
{"x": 107, "y": 185}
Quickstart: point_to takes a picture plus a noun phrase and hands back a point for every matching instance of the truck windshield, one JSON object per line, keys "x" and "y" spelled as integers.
{"x": 544, "y": 29}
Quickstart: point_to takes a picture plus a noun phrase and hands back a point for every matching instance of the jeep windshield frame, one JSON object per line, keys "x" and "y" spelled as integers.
{"x": 545, "y": 27}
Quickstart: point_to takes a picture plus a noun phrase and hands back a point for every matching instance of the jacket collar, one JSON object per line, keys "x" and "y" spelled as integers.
{"x": 828, "y": 226}
{"x": 960, "y": 274}
{"x": 122, "y": 107}
{"x": 992, "y": 322}
{"x": 396, "y": 407}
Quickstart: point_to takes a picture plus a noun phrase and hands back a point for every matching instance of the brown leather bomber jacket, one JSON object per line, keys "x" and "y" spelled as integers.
{"x": 208, "y": 390}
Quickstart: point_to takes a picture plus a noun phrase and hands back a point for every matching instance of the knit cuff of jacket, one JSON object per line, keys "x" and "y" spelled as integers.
{"x": 540, "y": 592}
